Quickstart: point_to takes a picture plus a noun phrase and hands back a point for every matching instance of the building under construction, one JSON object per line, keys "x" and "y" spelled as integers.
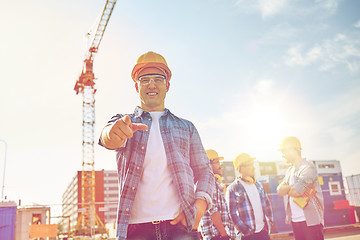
{"x": 73, "y": 206}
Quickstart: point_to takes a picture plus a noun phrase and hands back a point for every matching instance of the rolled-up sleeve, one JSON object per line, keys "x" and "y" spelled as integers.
{"x": 307, "y": 176}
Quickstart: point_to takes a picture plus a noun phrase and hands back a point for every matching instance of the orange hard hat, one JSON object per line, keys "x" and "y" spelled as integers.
{"x": 241, "y": 159}
{"x": 150, "y": 63}
{"x": 290, "y": 142}
{"x": 213, "y": 155}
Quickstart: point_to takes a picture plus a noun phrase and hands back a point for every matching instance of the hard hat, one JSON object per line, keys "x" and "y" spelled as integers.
{"x": 213, "y": 155}
{"x": 241, "y": 159}
{"x": 290, "y": 142}
{"x": 150, "y": 63}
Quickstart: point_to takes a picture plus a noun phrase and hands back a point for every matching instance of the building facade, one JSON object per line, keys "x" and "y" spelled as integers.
{"x": 28, "y": 216}
{"x": 106, "y": 197}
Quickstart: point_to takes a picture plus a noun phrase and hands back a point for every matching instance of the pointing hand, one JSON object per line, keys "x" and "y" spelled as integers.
{"x": 113, "y": 136}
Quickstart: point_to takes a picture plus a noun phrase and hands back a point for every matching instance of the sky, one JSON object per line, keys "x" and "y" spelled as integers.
{"x": 246, "y": 72}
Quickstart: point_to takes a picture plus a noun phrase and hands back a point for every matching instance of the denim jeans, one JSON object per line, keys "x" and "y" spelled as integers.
{"x": 160, "y": 231}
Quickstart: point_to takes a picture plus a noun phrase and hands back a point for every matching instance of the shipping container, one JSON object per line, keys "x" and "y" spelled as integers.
{"x": 353, "y": 184}
{"x": 7, "y": 220}
{"x": 333, "y": 192}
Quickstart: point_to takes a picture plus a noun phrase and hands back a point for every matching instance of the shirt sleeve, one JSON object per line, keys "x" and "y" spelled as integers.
{"x": 307, "y": 176}
{"x": 215, "y": 202}
{"x": 200, "y": 164}
{"x": 269, "y": 212}
{"x": 235, "y": 208}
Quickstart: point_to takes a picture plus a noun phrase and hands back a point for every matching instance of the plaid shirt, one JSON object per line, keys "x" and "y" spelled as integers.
{"x": 186, "y": 158}
{"x": 208, "y": 229}
{"x": 305, "y": 175}
{"x": 241, "y": 210}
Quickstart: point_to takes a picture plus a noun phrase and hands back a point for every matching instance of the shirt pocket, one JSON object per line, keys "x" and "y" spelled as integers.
{"x": 181, "y": 138}
{"x": 240, "y": 197}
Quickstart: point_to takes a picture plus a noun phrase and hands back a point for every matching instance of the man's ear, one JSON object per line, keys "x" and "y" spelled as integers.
{"x": 136, "y": 87}
{"x": 167, "y": 86}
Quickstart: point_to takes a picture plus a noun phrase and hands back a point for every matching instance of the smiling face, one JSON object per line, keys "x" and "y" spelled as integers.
{"x": 152, "y": 90}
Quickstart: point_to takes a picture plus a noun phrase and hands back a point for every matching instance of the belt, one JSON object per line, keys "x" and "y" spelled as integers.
{"x": 161, "y": 222}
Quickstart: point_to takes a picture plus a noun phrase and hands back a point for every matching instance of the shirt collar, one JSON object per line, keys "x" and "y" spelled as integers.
{"x": 299, "y": 163}
{"x": 139, "y": 111}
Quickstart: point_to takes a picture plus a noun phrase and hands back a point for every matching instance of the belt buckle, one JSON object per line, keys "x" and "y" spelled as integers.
{"x": 156, "y": 222}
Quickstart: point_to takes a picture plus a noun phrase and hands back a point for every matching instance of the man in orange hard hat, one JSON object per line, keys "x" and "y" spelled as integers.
{"x": 216, "y": 224}
{"x": 160, "y": 160}
{"x": 303, "y": 198}
{"x": 250, "y": 207}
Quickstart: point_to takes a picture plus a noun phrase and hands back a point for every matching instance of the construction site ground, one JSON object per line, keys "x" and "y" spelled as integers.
{"x": 346, "y": 232}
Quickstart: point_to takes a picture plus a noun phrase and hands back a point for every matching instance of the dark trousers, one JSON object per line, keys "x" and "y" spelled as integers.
{"x": 221, "y": 238}
{"x": 304, "y": 232}
{"x": 262, "y": 235}
{"x": 161, "y": 231}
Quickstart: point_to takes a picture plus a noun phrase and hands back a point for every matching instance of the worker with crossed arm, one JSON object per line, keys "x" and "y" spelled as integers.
{"x": 302, "y": 193}
{"x": 165, "y": 179}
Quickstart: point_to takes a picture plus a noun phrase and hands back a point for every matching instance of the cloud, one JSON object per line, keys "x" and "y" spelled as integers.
{"x": 330, "y": 5}
{"x": 281, "y": 34}
{"x": 357, "y": 25}
{"x": 267, "y": 8}
{"x": 341, "y": 50}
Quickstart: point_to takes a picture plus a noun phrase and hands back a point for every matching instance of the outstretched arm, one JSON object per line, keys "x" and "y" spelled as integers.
{"x": 114, "y": 135}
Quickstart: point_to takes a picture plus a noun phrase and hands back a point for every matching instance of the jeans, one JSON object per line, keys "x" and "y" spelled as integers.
{"x": 161, "y": 231}
{"x": 304, "y": 232}
{"x": 262, "y": 235}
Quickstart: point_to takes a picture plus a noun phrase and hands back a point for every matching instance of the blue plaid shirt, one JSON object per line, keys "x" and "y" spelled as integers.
{"x": 241, "y": 210}
{"x": 187, "y": 161}
{"x": 208, "y": 229}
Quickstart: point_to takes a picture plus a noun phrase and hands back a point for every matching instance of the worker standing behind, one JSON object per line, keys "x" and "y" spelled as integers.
{"x": 160, "y": 160}
{"x": 303, "y": 197}
{"x": 250, "y": 207}
{"x": 216, "y": 223}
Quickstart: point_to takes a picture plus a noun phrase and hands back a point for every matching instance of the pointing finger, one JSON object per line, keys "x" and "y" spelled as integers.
{"x": 139, "y": 127}
{"x": 126, "y": 119}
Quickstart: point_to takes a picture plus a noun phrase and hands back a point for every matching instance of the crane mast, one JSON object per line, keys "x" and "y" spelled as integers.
{"x": 88, "y": 222}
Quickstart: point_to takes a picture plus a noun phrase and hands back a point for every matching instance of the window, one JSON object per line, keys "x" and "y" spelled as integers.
{"x": 326, "y": 166}
{"x": 334, "y": 188}
{"x": 36, "y": 218}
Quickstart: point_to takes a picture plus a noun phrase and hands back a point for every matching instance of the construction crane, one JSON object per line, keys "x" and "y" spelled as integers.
{"x": 88, "y": 222}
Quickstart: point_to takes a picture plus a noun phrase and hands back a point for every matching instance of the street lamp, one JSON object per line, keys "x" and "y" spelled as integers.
{"x": 3, "y": 183}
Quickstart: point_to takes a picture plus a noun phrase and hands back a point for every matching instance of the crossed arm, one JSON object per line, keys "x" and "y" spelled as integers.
{"x": 307, "y": 176}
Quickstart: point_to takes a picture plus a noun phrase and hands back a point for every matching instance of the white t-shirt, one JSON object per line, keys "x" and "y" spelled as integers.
{"x": 255, "y": 201}
{"x": 156, "y": 197}
{"x": 297, "y": 213}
